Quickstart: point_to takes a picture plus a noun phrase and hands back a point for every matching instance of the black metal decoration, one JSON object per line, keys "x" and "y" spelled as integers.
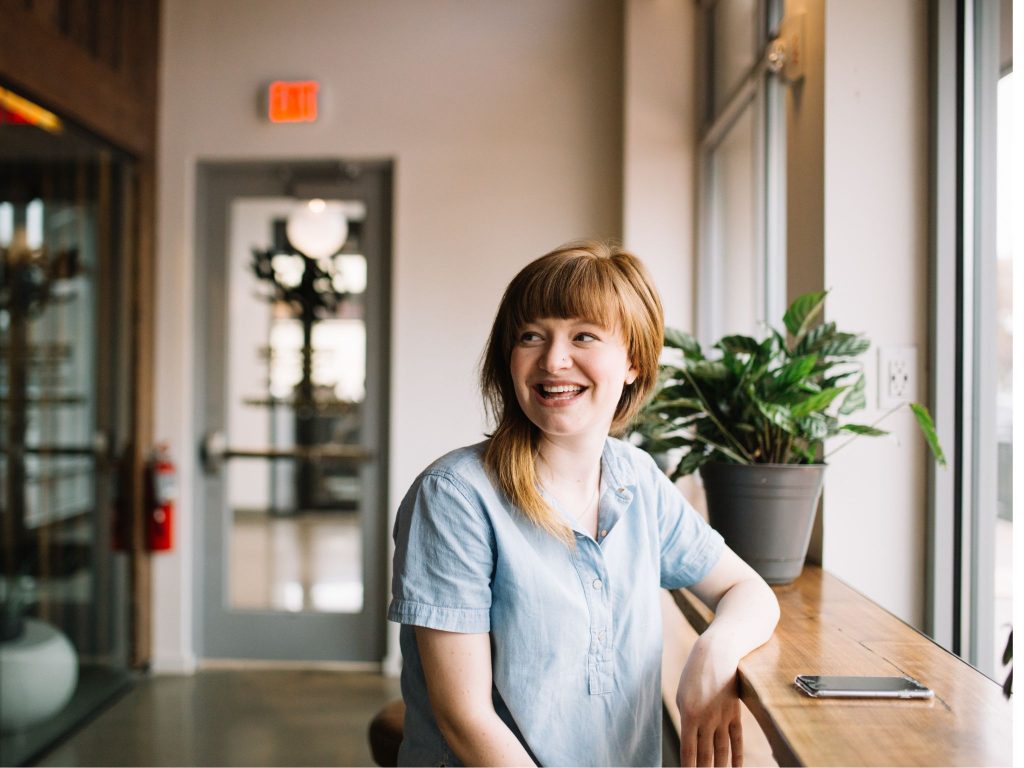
{"x": 311, "y": 298}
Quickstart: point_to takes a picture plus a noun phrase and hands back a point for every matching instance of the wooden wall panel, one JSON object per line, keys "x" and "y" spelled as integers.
{"x": 46, "y": 11}
{"x": 61, "y": 68}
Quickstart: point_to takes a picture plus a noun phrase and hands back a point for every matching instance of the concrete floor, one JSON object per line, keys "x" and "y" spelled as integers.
{"x": 233, "y": 718}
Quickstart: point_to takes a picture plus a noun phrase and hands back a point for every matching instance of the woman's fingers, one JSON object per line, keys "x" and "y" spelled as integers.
{"x": 705, "y": 748}
{"x": 736, "y": 740}
{"x": 722, "y": 742}
{"x": 709, "y": 744}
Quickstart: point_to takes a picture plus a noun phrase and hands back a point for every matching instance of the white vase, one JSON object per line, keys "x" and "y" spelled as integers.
{"x": 38, "y": 674}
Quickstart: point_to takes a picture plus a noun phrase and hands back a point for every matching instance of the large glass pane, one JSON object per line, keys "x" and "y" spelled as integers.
{"x": 296, "y": 385}
{"x": 1009, "y": 203}
{"x": 63, "y": 586}
{"x": 734, "y": 244}
{"x": 733, "y": 47}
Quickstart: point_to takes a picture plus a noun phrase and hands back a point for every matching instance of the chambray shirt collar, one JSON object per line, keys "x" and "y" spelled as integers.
{"x": 618, "y": 477}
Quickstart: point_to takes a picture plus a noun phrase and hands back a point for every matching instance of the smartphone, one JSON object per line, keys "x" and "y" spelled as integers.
{"x": 843, "y": 686}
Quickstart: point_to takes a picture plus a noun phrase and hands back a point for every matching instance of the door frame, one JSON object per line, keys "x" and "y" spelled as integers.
{"x": 270, "y": 635}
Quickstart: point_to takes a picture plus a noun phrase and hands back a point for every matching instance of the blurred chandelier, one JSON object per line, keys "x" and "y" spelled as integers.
{"x": 305, "y": 274}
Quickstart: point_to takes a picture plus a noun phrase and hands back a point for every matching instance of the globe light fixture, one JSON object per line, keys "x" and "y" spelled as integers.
{"x": 317, "y": 228}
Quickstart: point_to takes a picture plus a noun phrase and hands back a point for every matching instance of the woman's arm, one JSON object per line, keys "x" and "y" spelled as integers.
{"x": 457, "y": 668}
{"x": 746, "y": 613}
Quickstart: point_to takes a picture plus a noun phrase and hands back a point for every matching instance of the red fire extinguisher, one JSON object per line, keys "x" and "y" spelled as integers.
{"x": 161, "y": 492}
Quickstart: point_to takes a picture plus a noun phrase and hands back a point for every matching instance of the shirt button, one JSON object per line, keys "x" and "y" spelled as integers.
{"x": 600, "y": 636}
{"x": 603, "y": 534}
{"x": 621, "y": 490}
{"x": 597, "y": 584}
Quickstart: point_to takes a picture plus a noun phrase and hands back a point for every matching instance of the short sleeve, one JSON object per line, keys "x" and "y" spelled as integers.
{"x": 444, "y": 558}
{"x": 690, "y": 547}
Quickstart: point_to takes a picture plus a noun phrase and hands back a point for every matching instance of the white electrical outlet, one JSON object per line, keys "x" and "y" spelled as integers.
{"x": 897, "y": 376}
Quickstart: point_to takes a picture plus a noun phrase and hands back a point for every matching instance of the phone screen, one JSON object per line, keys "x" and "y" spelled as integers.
{"x": 855, "y": 685}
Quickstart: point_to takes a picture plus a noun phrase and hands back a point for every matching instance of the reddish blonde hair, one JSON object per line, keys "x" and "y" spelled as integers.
{"x": 590, "y": 280}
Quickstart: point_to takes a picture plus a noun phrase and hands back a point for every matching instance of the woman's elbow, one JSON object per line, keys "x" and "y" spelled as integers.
{"x": 462, "y": 728}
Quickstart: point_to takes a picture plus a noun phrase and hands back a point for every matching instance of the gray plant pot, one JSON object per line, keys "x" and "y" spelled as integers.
{"x": 765, "y": 513}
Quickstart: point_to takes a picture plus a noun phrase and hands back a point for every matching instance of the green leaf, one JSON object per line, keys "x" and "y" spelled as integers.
{"x": 681, "y": 340}
{"x": 814, "y": 426}
{"x": 717, "y": 447}
{"x": 794, "y": 371}
{"x": 739, "y": 345}
{"x": 663, "y": 444}
{"x": 779, "y": 415}
{"x": 815, "y": 338}
{"x": 690, "y": 463}
{"x": 708, "y": 370}
{"x": 863, "y": 429}
{"x": 802, "y": 313}
{"x": 856, "y": 399}
{"x": 924, "y": 420}
{"x": 674, "y": 391}
{"x": 845, "y": 345}
{"x": 685, "y": 405}
{"x": 817, "y": 402}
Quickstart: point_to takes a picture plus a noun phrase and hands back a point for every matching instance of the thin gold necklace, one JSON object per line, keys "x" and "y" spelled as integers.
{"x": 597, "y": 488}
{"x": 589, "y": 501}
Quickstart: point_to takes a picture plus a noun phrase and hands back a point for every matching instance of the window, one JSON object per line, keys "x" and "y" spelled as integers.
{"x": 971, "y": 545}
{"x": 742, "y": 240}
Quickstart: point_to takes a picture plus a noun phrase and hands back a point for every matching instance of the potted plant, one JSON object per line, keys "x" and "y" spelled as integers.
{"x": 753, "y": 416}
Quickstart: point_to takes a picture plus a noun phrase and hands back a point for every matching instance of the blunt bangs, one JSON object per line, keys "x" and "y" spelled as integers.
{"x": 574, "y": 284}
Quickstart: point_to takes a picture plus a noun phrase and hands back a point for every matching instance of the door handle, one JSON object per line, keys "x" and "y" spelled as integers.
{"x": 214, "y": 451}
{"x": 98, "y": 449}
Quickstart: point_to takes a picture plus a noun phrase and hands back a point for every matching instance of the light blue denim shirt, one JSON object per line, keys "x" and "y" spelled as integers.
{"x": 575, "y": 634}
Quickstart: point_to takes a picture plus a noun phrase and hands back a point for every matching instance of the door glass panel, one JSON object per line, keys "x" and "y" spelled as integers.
{"x": 733, "y": 224}
{"x": 296, "y": 385}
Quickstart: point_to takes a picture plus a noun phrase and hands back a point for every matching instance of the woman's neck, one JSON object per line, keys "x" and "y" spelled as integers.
{"x": 571, "y": 463}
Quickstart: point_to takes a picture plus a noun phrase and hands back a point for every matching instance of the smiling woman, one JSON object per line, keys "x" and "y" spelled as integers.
{"x": 527, "y": 567}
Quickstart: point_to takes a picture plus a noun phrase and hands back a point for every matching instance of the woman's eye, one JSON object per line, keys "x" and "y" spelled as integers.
{"x": 526, "y": 336}
{"x": 586, "y": 337}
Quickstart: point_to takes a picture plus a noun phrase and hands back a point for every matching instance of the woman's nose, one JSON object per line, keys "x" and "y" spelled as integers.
{"x": 556, "y": 357}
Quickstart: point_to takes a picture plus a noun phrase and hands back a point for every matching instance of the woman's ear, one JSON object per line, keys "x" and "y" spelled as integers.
{"x": 631, "y": 374}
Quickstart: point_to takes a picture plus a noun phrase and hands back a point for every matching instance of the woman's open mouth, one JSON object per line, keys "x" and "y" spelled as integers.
{"x": 558, "y": 392}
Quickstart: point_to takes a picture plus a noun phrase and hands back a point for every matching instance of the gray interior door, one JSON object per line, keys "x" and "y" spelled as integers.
{"x": 293, "y": 265}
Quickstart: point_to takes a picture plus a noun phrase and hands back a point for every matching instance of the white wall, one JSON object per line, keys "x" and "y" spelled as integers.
{"x": 660, "y": 142}
{"x": 876, "y": 136}
{"x": 504, "y": 119}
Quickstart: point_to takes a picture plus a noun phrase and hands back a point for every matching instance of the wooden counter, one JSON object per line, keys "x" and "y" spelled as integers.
{"x": 828, "y": 628}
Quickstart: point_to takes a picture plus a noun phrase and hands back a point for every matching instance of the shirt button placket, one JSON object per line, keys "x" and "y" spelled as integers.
{"x": 602, "y": 622}
{"x": 595, "y": 583}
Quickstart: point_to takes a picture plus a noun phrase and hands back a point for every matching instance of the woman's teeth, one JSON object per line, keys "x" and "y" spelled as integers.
{"x": 560, "y": 391}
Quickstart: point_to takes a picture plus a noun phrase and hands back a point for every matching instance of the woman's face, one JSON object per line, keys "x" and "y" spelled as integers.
{"x": 569, "y": 376}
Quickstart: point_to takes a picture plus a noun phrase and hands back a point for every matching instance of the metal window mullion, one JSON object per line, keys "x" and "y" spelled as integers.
{"x": 723, "y": 122}
{"x": 984, "y": 453}
{"x": 775, "y": 200}
{"x": 760, "y": 173}
{"x": 965, "y": 342}
{"x": 942, "y": 397}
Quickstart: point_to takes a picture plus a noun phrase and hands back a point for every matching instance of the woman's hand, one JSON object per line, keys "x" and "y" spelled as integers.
{"x": 710, "y": 732}
{"x": 746, "y": 613}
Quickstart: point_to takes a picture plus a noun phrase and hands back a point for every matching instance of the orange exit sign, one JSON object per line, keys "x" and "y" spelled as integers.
{"x": 292, "y": 101}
